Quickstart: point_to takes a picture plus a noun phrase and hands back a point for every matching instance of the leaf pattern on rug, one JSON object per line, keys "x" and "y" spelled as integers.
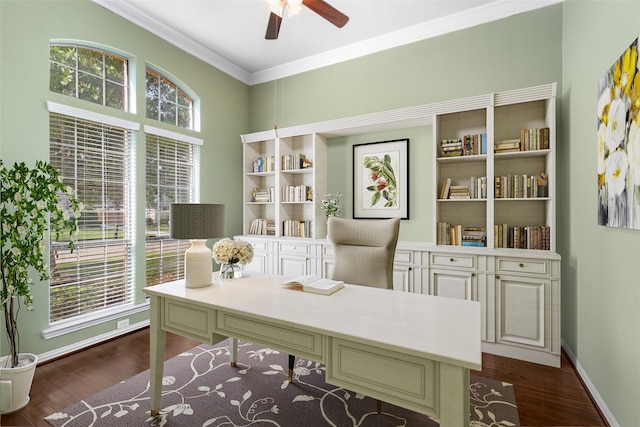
{"x": 200, "y": 388}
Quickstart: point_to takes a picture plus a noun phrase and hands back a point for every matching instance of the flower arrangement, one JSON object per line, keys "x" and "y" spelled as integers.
{"x": 32, "y": 201}
{"x": 229, "y": 251}
{"x": 330, "y": 204}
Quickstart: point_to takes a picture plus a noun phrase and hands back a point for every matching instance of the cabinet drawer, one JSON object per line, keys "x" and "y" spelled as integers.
{"x": 294, "y": 248}
{"x": 259, "y": 246}
{"x": 404, "y": 257}
{"x": 453, "y": 260}
{"x": 522, "y": 265}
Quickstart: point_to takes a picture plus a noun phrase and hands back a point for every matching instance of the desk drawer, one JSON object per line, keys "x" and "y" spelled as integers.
{"x": 453, "y": 260}
{"x": 522, "y": 265}
{"x": 280, "y": 337}
{"x": 388, "y": 375}
{"x": 188, "y": 320}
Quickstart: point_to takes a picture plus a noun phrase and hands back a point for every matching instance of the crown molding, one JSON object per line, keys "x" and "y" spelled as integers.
{"x": 127, "y": 11}
{"x": 479, "y": 15}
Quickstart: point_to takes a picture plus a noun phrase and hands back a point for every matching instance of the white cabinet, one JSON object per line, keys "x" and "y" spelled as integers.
{"x": 493, "y": 203}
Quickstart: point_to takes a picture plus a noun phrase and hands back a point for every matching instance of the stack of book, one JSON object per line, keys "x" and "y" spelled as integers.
{"x": 261, "y": 226}
{"x": 264, "y": 196}
{"x": 506, "y": 146}
{"x": 474, "y": 236}
{"x": 451, "y": 147}
{"x": 459, "y": 192}
{"x": 474, "y": 144}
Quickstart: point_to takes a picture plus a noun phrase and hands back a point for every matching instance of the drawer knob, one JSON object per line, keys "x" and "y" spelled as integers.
{"x": 452, "y": 259}
{"x": 521, "y": 265}
{"x": 473, "y": 274}
{"x": 498, "y": 276}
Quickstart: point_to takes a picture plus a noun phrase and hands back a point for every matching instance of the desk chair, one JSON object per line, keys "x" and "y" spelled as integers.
{"x": 363, "y": 254}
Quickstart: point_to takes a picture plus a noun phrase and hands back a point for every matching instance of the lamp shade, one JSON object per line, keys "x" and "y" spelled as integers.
{"x": 197, "y": 221}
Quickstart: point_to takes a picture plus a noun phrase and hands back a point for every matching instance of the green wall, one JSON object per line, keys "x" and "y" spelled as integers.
{"x": 572, "y": 43}
{"x": 507, "y": 54}
{"x": 601, "y": 268}
{"x": 25, "y": 30}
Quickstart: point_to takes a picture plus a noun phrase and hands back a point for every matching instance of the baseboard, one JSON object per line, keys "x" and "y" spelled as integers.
{"x": 63, "y": 351}
{"x": 600, "y": 403}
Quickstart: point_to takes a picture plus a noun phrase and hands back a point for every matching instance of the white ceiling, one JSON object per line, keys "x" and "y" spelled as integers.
{"x": 229, "y": 34}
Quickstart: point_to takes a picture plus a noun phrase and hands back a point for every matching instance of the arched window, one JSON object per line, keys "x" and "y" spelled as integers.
{"x": 89, "y": 74}
{"x": 167, "y": 102}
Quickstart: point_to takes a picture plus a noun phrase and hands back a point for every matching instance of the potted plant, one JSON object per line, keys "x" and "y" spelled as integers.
{"x": 31, "y": 202}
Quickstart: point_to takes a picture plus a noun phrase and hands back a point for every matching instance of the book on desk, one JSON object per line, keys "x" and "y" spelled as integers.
{"x": 316, "y": 284}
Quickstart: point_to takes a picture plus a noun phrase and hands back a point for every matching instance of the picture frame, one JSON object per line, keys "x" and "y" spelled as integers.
{"x": 381, "y": 179}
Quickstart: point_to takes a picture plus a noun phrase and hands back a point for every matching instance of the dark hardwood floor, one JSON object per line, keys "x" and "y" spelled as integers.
{"x": 545, "y": 396}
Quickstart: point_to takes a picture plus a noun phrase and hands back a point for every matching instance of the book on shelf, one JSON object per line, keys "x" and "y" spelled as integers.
{"x": 265, "y": 227}
{"x": 459, "y": 192}
{"x": 444, "y": 193}
{"x": 294, "y": 228}
{"x": 263, "y": 164}
{"x": 261, "y": 196}
{"x": 294, "y": 161}
{"x": 534, "y": 139}
{"x": 315, "y": 284}
{"x": 506, "y": 146}
{"x": 468, "y": 145}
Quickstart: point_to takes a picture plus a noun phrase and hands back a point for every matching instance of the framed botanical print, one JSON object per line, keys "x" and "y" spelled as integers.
{"x": 381, "y": 179}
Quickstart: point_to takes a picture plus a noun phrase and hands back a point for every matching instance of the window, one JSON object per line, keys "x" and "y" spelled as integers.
{"x": 171, "y": 176}
{"x": 95, "y": 159}
{"x": 166, "y": 102}
{"x": 89, "y": 74}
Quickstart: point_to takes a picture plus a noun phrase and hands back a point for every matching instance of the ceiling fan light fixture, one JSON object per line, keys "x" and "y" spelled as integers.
{"x": 276, "y": 6}
{"x": 294, "y": 7}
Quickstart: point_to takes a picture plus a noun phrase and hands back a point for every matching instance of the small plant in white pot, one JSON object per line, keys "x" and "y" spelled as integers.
{"x": 33, "y": 202}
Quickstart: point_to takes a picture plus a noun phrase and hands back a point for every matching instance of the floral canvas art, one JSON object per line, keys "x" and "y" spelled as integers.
{"x": 619, "y": 142}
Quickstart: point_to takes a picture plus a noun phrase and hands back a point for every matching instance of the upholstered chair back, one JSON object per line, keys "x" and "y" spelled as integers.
{"x": 364, "y": 250}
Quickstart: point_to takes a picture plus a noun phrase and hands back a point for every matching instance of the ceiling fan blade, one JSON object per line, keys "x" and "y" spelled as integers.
{"x": 273, "y": 27}
{"x": 327, "y": 11}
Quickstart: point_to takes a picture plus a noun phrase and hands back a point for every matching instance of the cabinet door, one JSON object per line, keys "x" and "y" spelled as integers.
{"x": 522, "y": 310}
{"x": 402, "y": 278}
{"x": 292, "y": 265}
{"x": 258, "y": 264}
{"x": 454, "y": 284}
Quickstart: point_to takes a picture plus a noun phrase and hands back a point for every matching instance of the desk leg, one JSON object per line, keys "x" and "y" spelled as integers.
{"x": 234, "y": 351}
{"x": 454, "y": 396}
{"x": 158, "y": 339}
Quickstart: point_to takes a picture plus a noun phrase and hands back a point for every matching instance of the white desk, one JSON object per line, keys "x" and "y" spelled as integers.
{"x": 411, "y": 350}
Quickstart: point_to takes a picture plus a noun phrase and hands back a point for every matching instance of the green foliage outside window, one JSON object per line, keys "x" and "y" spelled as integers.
{"x": 89, "y": 74}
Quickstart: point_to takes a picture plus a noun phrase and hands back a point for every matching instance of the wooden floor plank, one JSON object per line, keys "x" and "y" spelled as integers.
{"x": 546, "y": 396}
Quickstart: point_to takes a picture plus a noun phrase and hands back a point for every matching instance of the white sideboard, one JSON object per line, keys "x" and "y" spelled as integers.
{"x": 519, "y": 291}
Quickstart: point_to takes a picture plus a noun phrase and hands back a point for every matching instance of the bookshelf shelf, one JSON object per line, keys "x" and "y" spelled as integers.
{"x": 516, "y": 156}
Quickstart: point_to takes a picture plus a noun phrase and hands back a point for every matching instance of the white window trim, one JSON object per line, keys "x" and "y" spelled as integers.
{"x": 93, "y": 319}
{"x": 80, "y": 113}
{"x": 173, "y": 135}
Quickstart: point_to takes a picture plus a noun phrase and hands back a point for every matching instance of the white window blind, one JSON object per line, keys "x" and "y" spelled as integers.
{"x": 96, "y": 160}
{"x": 171, "y": 178}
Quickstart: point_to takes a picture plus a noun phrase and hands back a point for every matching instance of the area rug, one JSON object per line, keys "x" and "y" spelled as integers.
{"x": 200, "y": 388}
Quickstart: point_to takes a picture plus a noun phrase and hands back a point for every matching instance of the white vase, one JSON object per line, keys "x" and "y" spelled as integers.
{"x": 15, "y": 383}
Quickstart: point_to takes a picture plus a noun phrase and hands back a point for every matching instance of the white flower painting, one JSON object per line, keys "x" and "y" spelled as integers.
{"x": 618, "y": 135}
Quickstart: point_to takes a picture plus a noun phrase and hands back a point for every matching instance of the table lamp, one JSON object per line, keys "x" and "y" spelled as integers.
{"x": 197, "y": 222}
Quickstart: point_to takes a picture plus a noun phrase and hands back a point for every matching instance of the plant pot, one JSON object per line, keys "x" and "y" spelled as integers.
{"x": 15, "y": 383}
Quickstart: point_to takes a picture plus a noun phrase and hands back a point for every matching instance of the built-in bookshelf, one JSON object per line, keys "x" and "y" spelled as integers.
{"x": 495, "y": 170}
{"x": 282, "y": 176}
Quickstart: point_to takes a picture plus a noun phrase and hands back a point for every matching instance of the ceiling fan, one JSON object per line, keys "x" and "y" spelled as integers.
{"x": 294, "y": 7}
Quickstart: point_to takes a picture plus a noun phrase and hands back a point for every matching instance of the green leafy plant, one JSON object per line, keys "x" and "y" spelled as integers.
{"x": 330, "y": 204}
{"x": 383, "y": 179}
{"x": 32, "y": 201}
